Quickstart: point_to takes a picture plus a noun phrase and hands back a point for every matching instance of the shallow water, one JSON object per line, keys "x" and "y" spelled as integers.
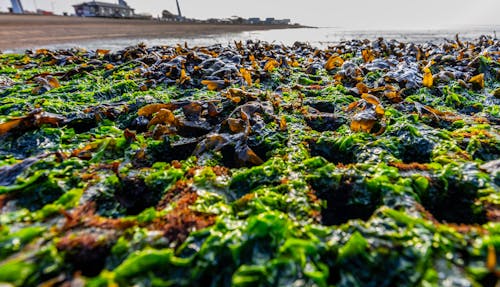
{"x": 321, "y": 37}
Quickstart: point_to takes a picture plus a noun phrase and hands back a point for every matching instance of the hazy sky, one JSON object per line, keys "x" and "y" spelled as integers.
{"x": 351, "y": 14}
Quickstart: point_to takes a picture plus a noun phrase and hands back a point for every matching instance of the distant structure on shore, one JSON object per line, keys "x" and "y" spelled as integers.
{"x": 123, "y": 10}
{"x": 17, "y": 7}
{"x": 104, "y": 9}
{"x": 171, "y": 17}
{"x": 178, "y": 8}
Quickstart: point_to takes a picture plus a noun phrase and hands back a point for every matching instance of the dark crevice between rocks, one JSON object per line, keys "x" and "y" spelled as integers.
{"x": 324, "y": 122}
{"x": 321, "y": 105}
{"x": 345, "y": 200}
{"x": 322, "y": 116}
{"x": 453, "y": 201}
{"x": 416, "y": 150}
{"x": 413, "y": 146}
{"x": 486, "y": 152}
{"x": 135, "y": 196}
{"x": 339, "y": 210}
{"x": 331, "y": 152}
{"x": 85, "y": 253}
{"x": 230, "y": 157}
{"x": 490, "y": 280}
{"x": 179, "y": 150}
{"x": 165, "y": 150}
{"x": 83, "y": 123}
{"x": 43, "y": 191}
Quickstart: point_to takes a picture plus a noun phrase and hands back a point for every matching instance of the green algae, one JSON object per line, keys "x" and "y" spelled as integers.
{"x": 249, "y": 184}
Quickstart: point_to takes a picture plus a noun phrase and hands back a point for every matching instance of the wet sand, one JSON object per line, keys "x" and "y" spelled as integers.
{"x": 22, "y": 31}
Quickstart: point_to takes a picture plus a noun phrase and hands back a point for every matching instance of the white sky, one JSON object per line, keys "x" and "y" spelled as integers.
{"x": 362, "y": 14}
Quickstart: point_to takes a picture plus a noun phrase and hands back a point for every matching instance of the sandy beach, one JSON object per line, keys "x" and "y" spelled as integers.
{"x": 19, "y": 31}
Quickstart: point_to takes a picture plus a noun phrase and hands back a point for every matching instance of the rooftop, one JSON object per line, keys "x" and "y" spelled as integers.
{"x": 103, "y": 4}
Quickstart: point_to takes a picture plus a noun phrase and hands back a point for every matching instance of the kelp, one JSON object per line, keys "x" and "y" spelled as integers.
{"x": 367, "y": 163}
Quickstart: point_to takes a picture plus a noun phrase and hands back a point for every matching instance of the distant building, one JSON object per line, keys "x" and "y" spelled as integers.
{"x": 282, "y": 21}
{"x": 104, "y": 9}
{"x": 237, "y": 20}
{"x": 213, "y": 20}
{"x": 254, "y": 20}
{"x": 171, "y": 17}
{"x": 167, "y": 15}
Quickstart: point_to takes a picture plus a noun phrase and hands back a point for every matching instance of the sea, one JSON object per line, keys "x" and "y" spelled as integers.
{"x": 320, "y": 37}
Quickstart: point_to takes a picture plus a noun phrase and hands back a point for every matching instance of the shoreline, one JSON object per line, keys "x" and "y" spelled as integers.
{"x": 21, "y": 31}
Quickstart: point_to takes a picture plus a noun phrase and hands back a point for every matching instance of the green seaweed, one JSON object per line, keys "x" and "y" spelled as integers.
{"x": 251, "y": 165}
